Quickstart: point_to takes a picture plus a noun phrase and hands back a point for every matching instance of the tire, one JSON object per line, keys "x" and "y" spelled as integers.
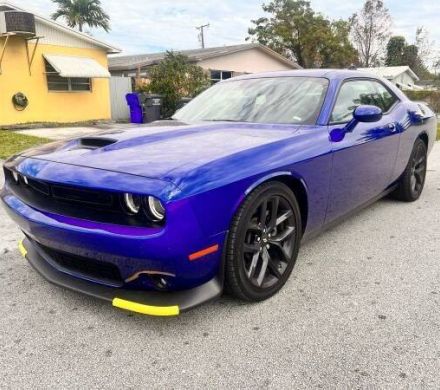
{"x": 412, "y": 181}
{"x": 262, "y": 246}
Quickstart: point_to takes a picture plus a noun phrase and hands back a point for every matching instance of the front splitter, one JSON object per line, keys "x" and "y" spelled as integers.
{"x": 153, "y": 303}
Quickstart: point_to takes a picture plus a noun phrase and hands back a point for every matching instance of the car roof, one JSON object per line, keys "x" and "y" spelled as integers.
{"x": 327, "y": 73}
{"x": 332, "y": 74}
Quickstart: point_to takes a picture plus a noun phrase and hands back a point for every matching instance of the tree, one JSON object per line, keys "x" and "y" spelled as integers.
{"x": 337, "y": 50}
{"x": 416, "y": 56}
{"x": 412, "y": 59}
{"x": 395, "y": 50}
{"x": 296, "y": 31}
{"x": 175, "y": 78}
{"x": 79, "y": 13}
{"x": 370, "y": 30}
{"x": 436, "y": 66}
{"x": 424, "y": 44}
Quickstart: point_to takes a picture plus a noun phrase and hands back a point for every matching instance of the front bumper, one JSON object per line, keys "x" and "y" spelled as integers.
{"x": 137, "y": 253}
{"x": 140, "y": 301}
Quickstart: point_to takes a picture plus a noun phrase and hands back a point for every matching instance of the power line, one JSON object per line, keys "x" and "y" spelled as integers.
{"x": 202, "y": 34}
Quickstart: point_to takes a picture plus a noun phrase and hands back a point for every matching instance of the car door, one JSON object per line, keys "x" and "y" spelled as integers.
{"x": 364, "y": 160}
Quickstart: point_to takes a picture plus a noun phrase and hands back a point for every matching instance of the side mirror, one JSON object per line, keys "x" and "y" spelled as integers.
{"x": 364, "y": 113}
{"x": 367, "y": 114}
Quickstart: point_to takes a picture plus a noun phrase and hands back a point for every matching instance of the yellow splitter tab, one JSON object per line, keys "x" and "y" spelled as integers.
{"x": 161, "y": 311}
{"x": 22, "y": 249}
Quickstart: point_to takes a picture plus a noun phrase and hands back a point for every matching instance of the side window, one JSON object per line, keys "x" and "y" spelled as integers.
{"x": 358, "y": 92}
{"x": 65, "y": 84}
{"x": 385, "y": 99}
{"x": 219, "y": 75}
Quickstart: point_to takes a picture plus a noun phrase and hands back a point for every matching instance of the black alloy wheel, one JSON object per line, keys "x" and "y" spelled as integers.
{"x": 263, "y": 242}
{"x": 418, "y": 169}
{"x": 412, "y": 181}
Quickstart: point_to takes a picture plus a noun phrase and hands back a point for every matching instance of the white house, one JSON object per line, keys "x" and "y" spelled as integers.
{"x": 220, "y": 62}
{"x": 402, "y": 76}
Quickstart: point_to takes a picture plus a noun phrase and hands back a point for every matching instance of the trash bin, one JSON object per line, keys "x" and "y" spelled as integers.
{"x": 152, "y": 105}
{"x": 136, "y": 110}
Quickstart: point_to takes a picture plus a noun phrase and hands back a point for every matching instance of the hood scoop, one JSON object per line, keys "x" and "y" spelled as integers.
{"x": 94, "y": 142}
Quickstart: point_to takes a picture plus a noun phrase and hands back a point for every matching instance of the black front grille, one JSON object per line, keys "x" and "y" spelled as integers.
{"x": 39, "y": 186}
{"x": 83, "y": 203}
{"x": 69, "y": 194}
{"x": 92, "y": 268}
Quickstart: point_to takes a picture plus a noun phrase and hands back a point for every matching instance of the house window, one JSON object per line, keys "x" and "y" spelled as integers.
{"x": 219, "y": 75}
{"x": 66, "y": 84}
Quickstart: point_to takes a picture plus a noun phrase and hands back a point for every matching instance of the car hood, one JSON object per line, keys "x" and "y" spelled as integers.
{"x": 161, "y": 150}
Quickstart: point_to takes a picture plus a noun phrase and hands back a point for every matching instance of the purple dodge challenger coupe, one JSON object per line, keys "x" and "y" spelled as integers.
{"x": 161, "y": 218}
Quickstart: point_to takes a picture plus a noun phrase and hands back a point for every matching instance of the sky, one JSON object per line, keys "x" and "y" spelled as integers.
{"x": 147, "y": 26}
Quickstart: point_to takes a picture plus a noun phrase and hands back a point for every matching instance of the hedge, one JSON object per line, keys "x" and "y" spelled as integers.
{"x": 430, "y": 97}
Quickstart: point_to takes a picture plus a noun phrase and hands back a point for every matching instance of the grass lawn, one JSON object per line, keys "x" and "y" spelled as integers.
{"x": 438, "y": 132}
{"x": 11, "y": 143}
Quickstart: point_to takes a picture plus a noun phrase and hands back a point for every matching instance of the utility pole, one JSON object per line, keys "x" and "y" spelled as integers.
{"x": 202, "y": 34}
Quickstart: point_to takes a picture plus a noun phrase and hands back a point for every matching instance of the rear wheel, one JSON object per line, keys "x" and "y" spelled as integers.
{"x": 413, "y": 179}
{"x": 263, "y": 243}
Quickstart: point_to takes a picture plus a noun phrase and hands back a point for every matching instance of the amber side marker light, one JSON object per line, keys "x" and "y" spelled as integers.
{"x": 203, "y": 252}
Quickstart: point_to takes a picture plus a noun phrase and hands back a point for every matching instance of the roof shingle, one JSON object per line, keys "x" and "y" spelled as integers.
{"x": 132, "y": 62}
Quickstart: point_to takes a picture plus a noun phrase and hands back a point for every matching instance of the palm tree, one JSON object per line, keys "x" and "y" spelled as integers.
{"x": 78, "y": 13}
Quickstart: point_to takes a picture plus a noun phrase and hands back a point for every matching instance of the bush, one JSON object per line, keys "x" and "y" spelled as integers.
{"x": 430, "y": 97}
{"x": 175, "y": 78}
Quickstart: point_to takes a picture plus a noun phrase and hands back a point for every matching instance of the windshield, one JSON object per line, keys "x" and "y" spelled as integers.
{"x": 295, "y": 100}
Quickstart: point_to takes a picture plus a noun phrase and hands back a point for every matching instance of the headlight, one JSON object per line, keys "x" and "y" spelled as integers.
{"x": 148, "y": 206}
{"x": 132, "y": 203}
{"x": 156, "y": 208}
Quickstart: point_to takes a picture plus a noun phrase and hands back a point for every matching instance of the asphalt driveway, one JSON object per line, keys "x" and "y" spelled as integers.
{"x": 362, "y": 309}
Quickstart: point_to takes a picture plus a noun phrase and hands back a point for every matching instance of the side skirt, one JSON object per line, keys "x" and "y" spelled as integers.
{"x": 347, "y": 215}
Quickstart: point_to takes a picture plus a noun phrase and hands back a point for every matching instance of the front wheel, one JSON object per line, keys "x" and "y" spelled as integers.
{"x": 263, "y": 243}
{"x": 412, "y": 180}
